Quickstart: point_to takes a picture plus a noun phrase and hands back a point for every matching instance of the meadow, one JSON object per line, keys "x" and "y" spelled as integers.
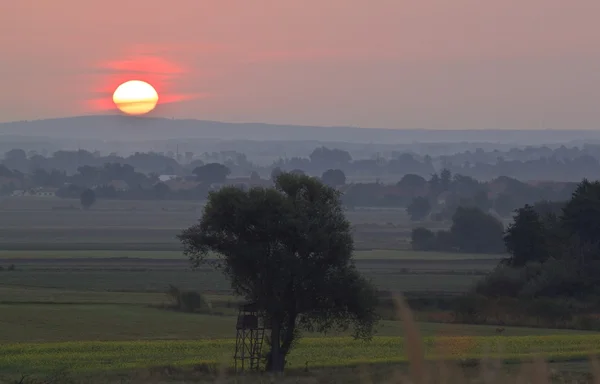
{"x": 314, "y": 352}
{"x": 87, "y": 289}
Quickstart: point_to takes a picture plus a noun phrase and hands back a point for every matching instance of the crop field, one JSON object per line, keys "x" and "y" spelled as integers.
{"x": 377, "y": 254}
{"x": 314, "y": 352}
{"x": 114, "y": 317}
{"x": 155, "y": 276}
{"x": 60, "y": 224}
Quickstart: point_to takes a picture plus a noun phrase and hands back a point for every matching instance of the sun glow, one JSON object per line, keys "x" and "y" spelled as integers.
{"x": 135, "y": 97}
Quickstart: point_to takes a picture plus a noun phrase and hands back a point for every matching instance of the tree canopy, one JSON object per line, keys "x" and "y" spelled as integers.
{"x": 419, "y": 208}
{"x": 87, "y": 198}
{"x": 289, "y": 250}
{"x": 211, "y": 173}
{"x": 334, "y": 177}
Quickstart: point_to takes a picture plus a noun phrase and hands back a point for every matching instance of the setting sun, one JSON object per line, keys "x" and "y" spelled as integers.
{"x": 135, "y": 97}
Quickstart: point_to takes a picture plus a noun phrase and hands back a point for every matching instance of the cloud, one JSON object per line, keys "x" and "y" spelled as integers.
{"x": 163, "y": 74}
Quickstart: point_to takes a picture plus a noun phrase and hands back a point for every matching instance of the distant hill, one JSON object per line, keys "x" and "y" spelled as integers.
{"x": 123, "y": 128}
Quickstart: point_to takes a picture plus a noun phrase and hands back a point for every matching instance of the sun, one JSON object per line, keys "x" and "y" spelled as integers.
{"x": 135, "y": 97}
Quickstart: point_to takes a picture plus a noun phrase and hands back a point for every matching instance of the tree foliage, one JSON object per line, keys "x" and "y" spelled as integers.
{"x": 412, "y": 181}
{"x": 581, "y": 215}
{"x": 419, "y": 208}
{"x": 87, "y": 198}
{"x": 289, "y": 250}
{"x": 527, "y": 238}
{"x": 211, "y": 173}
{"x": 334, "y": 177}
{"x": 475, "y": 231}
{"x": 554, "y": 250}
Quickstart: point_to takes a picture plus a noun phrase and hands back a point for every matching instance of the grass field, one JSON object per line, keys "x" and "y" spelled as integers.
{"x": 316, "y": 352}
{"x": 53, "y": 322}
{"x": 59, "y": 224}
{"x": 359, "y": 254}
{"x": 157, "y": 279}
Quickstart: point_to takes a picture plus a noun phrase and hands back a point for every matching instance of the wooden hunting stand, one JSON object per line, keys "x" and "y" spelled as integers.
{"x": 249, "y": 340}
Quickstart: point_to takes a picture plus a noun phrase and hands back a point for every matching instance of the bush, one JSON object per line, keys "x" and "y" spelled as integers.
{"x": 505, "y": 281}
{"x": 187, "y": 301}
{"x": 192, "y": 301}
{"x": 422, "y": 239}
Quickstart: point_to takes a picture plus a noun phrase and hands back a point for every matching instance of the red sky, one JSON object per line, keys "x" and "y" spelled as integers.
{"x": 471, "y": 64}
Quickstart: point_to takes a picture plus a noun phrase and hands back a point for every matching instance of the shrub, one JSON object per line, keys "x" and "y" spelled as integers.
{"x": 187, "y": 301}
{"x": 422, "y": 239}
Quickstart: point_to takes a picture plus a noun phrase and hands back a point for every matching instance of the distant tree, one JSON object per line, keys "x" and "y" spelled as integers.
{"x": 15, "y": 155}
{"x": 275, "y": 173}
{"x": 254, "y": 176}
{"x": 545, "y": 207}
{"x": 297, "y": 172}
{"x": 505, "y": 204}
{"x": 334, "y": 177}
{"x": 195, "y": 164}
{"x": 211, "y": 173}
{"x": 324, "y": 157}
{"x": 161, "y": 190}
{"x": 475, "y": 231}
{"x": 16, "y": 159}
{"x": 412, "y": 181}
{"x": 5, "y": 172}
{"x": 526, "y": 239}
{"x": 87, "y": 198}
{"x": 481, "y": 200}
{"x": 444, "y": 241}
{"x": 422, "y": 239}
{"x": 581, "y": 215}
{"x": 445, "y": 179}
{"x": 289, "y": 251}
{"x": 435, "y": 186}
{"x": 419, "y": 208}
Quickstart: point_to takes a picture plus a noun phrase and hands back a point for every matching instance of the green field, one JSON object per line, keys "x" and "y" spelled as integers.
{"x": 316, "y": 352}
{"x": 116, "y": 318}
{"x": 111, "y": 225}
{"x": 359, "y": 254}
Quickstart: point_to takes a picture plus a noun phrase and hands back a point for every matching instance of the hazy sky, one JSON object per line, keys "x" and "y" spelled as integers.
{"x": 373, "y": 63}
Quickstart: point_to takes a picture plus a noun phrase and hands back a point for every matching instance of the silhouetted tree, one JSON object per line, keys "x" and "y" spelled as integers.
{"x": 526, "y": 239}
{"x": 324, "y": 157}
{"x": 412, "y": 181}
{"x": 254, "y": 176}
{"x": 87, "y": 198}
{"x": 211, "y": 173}
{"x": 161, "y": 191}
{"x": 419, "y": 208}
{"x": 334, "y": 177}
{"x": 290, "y": 252}
{"x": 422, "y": 239}
{"x": 275, "y": 173}
{"x": 474, "y": 231}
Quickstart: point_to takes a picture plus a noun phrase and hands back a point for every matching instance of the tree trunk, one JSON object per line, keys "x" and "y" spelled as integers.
{"x": 276, "y": 358}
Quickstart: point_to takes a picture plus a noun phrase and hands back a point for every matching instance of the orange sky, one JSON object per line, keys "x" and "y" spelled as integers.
{"x": 471, "y": 64}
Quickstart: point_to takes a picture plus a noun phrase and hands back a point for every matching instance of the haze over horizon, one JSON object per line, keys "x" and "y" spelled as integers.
{"x": 465, "y": 64}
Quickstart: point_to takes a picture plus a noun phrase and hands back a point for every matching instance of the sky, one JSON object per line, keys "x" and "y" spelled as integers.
{"x": 402, "y": 64}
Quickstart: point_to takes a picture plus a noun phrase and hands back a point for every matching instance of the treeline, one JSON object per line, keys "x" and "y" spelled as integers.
{"x": 472, "y": 231}
{"x": 531, "y": 163}
{"x": 435, "y": 196}
{"x": 551, "y": 276}
{"x": 439, "y": 196}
